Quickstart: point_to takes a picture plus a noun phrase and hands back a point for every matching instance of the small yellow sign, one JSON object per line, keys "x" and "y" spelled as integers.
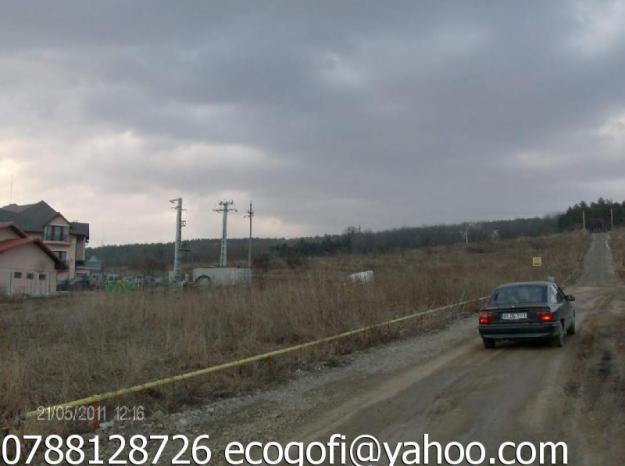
{"x": 537, "y": 261}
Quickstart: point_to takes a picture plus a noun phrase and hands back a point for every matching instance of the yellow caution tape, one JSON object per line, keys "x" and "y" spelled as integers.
{"x": 240, "y": 362}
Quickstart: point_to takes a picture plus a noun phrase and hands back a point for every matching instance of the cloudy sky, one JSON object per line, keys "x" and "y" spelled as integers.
{"x": 325, "y": 114}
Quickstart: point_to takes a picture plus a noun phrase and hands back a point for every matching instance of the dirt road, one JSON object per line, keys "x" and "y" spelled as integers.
{"x": 447, "y": 385}
{"x": 514, "y": 393}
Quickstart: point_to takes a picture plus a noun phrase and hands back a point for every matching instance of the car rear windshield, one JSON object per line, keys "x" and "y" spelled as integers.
{"x": 518, "y": 294}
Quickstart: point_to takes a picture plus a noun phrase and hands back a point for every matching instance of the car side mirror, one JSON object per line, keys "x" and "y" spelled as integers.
{"x": 570, "y": 297}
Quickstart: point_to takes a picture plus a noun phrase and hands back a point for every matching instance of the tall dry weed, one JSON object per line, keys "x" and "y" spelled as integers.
{"x": 65, "y": 348}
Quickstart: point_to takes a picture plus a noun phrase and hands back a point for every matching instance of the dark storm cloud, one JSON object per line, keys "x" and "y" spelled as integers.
{"x": 326, "y": 113}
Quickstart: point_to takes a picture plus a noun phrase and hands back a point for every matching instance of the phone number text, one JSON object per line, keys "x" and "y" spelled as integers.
{"x": 76, "y": 449}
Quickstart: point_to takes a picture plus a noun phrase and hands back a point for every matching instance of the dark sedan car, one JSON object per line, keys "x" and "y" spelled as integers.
{"x": 527, "y": 310}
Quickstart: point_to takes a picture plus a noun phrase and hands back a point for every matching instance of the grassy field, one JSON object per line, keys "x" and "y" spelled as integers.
{"x": 618, "y": 251}
{"x": 68, "y": 347}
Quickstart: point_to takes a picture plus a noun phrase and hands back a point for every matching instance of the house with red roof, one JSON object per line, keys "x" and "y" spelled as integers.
{"x": 27, "y": 265}
{"x": 67, "y": 239}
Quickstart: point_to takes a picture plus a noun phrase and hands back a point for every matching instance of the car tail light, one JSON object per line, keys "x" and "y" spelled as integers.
{"x": 486, "y": 317}
{"x": 544, "y": 315}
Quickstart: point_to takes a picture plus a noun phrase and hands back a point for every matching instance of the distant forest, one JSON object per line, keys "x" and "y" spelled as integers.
{"x": 598, "y": 216}
{"x": 156, "y": 258}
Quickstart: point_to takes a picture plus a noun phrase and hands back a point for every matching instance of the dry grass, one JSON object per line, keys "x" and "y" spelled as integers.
{"x": 66, "y": 348}
{"x": 618, "y": 251}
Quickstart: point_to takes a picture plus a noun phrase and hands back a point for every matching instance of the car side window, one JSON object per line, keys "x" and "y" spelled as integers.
{"x": 553, "y": 294}
{"x": 561, "y": 295}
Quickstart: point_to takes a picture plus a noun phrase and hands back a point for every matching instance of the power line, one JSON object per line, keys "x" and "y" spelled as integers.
{"x": 225, "y": 208}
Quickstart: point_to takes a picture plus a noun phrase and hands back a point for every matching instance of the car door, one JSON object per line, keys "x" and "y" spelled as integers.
{"x": 565, "y": 306}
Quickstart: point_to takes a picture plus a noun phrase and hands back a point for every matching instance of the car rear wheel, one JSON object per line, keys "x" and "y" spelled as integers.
{"x": 488, "y": 343}
{"x": 558, "y": 340}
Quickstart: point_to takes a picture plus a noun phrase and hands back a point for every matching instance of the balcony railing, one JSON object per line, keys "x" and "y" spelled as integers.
{"x": 56, "y": 240}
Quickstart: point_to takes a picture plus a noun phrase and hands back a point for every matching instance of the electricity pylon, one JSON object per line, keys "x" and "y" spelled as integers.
{"x": 179, "y": 224}
{"x": 250, "y": 215}
{"x": 225, "y": 208}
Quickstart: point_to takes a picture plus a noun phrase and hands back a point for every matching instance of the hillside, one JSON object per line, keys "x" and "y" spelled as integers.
{"x": 156, "y": 257}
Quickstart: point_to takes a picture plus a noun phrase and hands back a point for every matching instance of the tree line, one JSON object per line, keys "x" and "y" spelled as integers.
{"x": 354, "y": 240}
{"x": 599, "y": 215}
{"x": 156, "y": 258}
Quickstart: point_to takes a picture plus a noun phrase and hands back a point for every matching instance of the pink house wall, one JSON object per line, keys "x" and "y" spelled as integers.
{"x": 27, "y": 259}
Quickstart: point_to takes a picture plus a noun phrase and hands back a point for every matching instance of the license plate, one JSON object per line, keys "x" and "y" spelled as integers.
{"x": 514, "y": 315}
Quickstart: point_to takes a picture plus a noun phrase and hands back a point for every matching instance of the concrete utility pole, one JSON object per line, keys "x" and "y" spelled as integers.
{"x": 465, "y": 233}
{"x": 611, "y": 218}
{"x": 225, "y": 208}
{"x": 179, "y": 225}
{"x": 250, "y": 215}
{"x": 584, "y": 221}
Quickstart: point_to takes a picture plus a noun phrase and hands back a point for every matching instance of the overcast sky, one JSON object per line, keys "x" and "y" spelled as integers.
{"x": 325, "y": 114}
